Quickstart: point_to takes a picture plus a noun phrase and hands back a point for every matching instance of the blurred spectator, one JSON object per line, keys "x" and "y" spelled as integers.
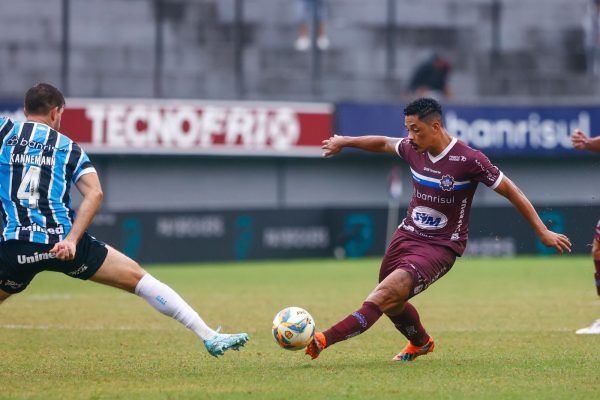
{"x": 591, "y": 24}
{"x": 306, "y": 10}
{"x": 430, "y": 78}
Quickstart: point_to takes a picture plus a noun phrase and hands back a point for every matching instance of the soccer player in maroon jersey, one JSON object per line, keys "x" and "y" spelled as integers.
{"x": 582, "y": 142}
{"x": 445, "y": 175}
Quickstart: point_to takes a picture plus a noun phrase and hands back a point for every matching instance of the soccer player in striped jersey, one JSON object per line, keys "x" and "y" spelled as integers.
{"x": 582, "y": 142}
{"x": 42, "y": 232}
{"x": 446, "y": 173}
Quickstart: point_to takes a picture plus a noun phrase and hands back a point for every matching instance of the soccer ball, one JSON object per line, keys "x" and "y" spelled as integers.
{"x": 293, "y": 328}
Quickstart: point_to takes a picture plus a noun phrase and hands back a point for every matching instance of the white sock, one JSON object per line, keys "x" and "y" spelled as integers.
{"x": 168, "y": 302}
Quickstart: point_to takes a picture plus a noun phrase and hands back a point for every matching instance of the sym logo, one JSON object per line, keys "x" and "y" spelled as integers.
{"x": 428, "y": 218}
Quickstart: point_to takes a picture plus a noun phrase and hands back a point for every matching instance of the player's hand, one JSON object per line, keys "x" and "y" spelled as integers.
{"x": 332, "y": 145}
{"x": 64, "y": 250}
{"x": 557, "y": 240}
{"x": 579, "y": 140}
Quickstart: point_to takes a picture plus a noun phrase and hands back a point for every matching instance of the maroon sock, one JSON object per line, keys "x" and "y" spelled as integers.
{"x": 409, "y": 324}
{"x": 597, "y": 275}
{"x": 354, "y": 324}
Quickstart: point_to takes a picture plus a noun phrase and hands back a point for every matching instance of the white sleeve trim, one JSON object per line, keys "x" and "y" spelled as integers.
{"x": 89, "y": 170}
{"x": 398, "y": 148}
{"x": 497, "y": 183}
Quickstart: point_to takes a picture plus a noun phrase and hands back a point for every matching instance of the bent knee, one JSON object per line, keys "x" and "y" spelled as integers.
{"x": 135, "y": 273}
{"x": 391, "y": 295}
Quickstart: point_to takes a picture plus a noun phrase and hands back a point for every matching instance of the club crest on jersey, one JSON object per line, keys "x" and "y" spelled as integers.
{"x": 447, "y": 183}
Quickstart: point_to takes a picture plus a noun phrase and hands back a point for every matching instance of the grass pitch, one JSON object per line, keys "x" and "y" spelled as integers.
{"x": 504, "y": 328}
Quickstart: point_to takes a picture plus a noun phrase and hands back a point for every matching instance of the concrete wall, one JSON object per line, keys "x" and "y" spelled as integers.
{"x": 200, "y": 183}
{"x": 112, "y": 44}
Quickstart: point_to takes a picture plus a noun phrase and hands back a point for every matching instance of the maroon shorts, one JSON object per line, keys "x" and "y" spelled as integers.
{"x": 426, "y": 262}
{"x": 597, "y": 236}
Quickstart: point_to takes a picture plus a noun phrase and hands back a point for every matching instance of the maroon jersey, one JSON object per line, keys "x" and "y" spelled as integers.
{"x": 443, "y": 191}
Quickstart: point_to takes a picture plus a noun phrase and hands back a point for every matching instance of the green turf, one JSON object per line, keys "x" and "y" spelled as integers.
{"x": 503, "y": 329}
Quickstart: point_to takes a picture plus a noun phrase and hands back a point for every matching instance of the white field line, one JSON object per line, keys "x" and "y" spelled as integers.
{"x": 139, "y": 328}
{"x": 77, "y": 328}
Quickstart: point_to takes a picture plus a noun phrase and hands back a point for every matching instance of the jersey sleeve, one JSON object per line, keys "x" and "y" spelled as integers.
{"x": 402, "y": 147}
{"x": 5, "y": 126}
{"x": 486, "y": 172}
{"x": 84, "y": 165}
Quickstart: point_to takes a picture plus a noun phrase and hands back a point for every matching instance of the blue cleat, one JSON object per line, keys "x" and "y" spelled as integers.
{"x": 218, "y": 345}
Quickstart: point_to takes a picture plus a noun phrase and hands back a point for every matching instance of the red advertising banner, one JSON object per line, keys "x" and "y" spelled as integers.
{"x": 127, "y": 126}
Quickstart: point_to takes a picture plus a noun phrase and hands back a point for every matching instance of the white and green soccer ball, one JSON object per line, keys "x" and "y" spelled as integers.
{"x": 293, "y": 328}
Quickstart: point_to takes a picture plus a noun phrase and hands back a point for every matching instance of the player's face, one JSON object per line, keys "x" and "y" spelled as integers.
{"x": 420, "y": 134}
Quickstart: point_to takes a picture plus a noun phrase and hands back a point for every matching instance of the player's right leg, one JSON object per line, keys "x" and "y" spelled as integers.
{"x": 388, "y": 297}
{"x": 408, "y": 322}
{"x": 122, "y": 272}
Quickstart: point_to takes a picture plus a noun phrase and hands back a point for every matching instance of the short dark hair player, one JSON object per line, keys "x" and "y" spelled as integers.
{"x": 445, "y": 174}
{"x": 42, "y": 232}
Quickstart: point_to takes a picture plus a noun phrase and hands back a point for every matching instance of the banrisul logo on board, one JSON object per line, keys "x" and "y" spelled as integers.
{"x": 529, "y": 131}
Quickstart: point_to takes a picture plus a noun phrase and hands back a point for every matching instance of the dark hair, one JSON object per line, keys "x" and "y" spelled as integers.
{"x": 424, "y": 108}
{"x": 42, "y": 98}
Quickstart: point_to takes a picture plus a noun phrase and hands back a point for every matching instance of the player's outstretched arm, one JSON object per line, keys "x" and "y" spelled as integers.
{"x": 551, "y": 239}
{"x": 580, "y": 141}
{"x": 375, "y": 144}
{"x": 91, "y": 190}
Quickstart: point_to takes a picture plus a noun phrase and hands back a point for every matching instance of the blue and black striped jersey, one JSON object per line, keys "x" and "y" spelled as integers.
{"x": 37, "y": 167}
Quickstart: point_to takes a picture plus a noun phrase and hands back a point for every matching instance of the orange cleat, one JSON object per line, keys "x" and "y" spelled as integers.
{"x": 410, "y": 352}
{"x": 316, "y": 345}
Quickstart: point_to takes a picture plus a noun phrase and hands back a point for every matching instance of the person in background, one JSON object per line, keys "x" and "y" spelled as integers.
{"x": 582, "y": 142}
{"x": 306, "y": 10}
{"x": 591, "y": 36}
{"x": 430, "y": 78}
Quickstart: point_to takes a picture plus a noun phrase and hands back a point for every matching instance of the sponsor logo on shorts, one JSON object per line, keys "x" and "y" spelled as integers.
{"x": 79, "y": 270}
{"x": 35, "y": 257}
{"x": 428, "y": 218}
{"x": 11, "y": 284}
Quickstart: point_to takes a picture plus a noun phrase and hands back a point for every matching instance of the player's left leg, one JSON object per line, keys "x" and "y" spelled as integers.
{"x": 408, "y": 322}
{"x": 388, "y": 297}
